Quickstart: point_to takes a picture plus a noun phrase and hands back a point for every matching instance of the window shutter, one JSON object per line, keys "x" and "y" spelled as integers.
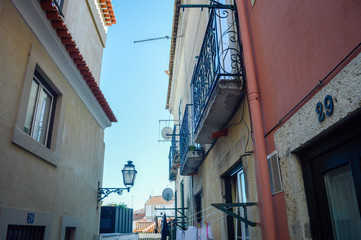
{"x": 275, "y": 172}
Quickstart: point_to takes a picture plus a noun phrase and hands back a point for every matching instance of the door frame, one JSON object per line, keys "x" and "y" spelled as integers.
{"x": 339, "y": 143}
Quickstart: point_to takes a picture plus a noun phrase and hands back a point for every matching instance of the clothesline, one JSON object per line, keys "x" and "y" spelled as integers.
{"x": 209, "y": 214}
{"x": 213, "y": 212}
{"x": 199, "y": 212}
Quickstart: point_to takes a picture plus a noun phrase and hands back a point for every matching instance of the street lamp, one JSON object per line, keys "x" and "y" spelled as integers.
{"x": 129, "y": 174}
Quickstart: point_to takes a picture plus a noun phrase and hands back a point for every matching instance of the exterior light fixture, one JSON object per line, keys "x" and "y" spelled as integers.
{"x": 129, "y": 174}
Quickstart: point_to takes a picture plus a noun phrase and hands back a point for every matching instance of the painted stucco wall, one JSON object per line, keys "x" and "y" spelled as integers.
{"x": 191, "y": 29}
{"x": 83, "y": 19}
{"x": 296, "y": 44}
{"x": 301, "y": 129}
{"x": 223, "y": 156}
{"x": 226, "y": 151}
{"x": 28, "y": 182}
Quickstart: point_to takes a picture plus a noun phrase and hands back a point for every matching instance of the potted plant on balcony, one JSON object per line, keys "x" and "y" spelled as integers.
{"x": 191, "y": 148}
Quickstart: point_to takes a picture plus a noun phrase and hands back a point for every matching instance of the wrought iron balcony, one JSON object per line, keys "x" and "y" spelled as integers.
{"x": 217, "y": 80}
{"x": 190, "y": 156}
{"x": 173, "y": 157}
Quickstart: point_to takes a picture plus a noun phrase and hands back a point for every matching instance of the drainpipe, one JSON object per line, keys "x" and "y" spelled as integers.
{"x": 267, "y": 218}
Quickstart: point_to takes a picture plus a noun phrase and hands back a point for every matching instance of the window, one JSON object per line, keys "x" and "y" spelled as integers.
{"x": 71, "y": 224}
{"x": 235, "y": 187}
{"x": 40, "y": 119}
{"x": 39, "y": 112}
{"x": 20, "y": 232}
{"x": 275, "y": 173}
{"x": 198, "y": 206}
{"x": 70, "y": 233}
{"x": 242, "y": 228}
{"x": 59, "y": 4}
{"x": 333, "y": 186}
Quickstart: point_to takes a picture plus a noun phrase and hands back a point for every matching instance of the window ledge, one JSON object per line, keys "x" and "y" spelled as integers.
{"x": 23, "y": 140}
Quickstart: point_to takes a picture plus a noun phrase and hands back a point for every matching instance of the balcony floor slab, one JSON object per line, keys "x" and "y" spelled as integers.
{"x": 224, "y": 99}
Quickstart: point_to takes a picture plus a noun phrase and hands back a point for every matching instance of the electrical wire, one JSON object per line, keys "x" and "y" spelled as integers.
{"x": 200, "y": 212}
{"x": 313, "y": 90}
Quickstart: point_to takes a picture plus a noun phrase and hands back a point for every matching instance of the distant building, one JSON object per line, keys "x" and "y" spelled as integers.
{"x": 138, "y": 215}
{"x": 157, "y": 206}
{"x": 266, "y": 97}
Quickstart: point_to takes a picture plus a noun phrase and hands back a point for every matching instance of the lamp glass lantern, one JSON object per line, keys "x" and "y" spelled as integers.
{"x": 129, "y": 174}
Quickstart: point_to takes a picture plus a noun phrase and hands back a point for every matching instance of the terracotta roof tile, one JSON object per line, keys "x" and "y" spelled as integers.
{"x": 62, "y": 31}
{"x": 158, "y": 200}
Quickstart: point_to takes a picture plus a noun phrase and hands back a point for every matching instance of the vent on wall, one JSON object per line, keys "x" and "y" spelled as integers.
{"x": 275, "y": 172}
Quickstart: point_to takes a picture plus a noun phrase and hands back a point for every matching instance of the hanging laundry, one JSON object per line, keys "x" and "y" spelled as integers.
{"x": 190, "y": 233}
{"x": 179, "y": 234}
{"x": 205, "y": 232}
{"x": 165, "y": 229}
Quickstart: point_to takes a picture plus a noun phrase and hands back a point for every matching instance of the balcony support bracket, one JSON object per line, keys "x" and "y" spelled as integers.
{"x": 214, "y": 4}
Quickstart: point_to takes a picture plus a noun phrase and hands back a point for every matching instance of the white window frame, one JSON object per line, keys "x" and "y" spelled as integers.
{"x": 52, "y": 80}
{"x": 242, "y": 198}
{"x": 36, "y": 112}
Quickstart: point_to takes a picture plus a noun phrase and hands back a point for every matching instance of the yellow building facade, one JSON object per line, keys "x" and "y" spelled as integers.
{"x": 52, "y": 120}
{"x": 211, "y": 159}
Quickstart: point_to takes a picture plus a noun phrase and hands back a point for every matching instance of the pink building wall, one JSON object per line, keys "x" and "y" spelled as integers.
{"x": 295, "y": 45}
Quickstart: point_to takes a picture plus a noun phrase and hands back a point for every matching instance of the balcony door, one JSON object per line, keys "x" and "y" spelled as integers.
{"x": 235, "y": 186}
{"x": 333, "y": 188}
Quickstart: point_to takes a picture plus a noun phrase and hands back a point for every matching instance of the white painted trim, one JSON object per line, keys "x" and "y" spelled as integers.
{"x": 35, "y": 17}
{"x": 16, "y": 216}
{"x": 303, "y": 128}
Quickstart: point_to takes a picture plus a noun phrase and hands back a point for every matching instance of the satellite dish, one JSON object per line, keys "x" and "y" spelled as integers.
{"x": 167, "y": 194}
{"x": 167, "y": 133}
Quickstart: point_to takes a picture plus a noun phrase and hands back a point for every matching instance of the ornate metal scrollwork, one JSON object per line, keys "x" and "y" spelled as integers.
{"x": 104, "y": 192}
{"x": 184, "y": 135}
{"x": 220, "y": 57}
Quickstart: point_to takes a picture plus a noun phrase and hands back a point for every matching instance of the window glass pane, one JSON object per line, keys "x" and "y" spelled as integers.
{"x": 344, "y": 210}
{"x": 242, "y": 228}
{"x": 31, "y": 107}
{"x": 42, "y": 116}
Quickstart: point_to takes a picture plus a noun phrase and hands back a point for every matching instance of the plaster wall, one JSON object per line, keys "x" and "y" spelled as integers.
{"x": 296, "y": 44}
{"x": 83, "y": 19}
{"x": 225, "y": 152}
{"x": 192, "y": 25}
{"x": 31, "y": 183}
{"x": 301, "y": 129}
{"x": 191, "y": 29}
{"x": 222, "y": 157}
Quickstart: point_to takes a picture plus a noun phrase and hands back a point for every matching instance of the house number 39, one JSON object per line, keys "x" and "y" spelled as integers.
{"x": 328, "y": 104}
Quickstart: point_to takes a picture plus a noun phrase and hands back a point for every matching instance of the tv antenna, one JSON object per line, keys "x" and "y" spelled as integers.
{"x": 158, "y": 38}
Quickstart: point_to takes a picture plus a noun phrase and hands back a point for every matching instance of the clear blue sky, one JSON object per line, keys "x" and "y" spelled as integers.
{"x": 135, "y": 85}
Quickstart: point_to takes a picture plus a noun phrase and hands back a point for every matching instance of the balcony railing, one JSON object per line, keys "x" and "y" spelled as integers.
{"x": 220, "y": 58}
{"x": 190, "y": 155}
{"x": 185, "y": 134}
{"x": 173, "y": 155}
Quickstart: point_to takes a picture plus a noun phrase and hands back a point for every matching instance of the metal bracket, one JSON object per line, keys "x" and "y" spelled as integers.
{"x": 104, "y": 192}
{"x": 176, "y": 209}
{"x": 214, "y": 4}
{"x": 224, "y": 207}
{"x": 176, "y": 222}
